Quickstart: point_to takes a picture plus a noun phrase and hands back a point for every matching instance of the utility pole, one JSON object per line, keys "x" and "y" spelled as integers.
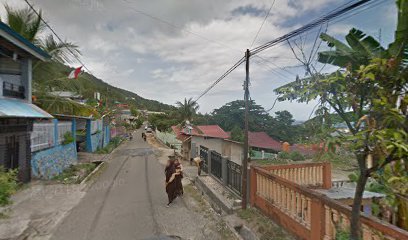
{"x": 246, "y": 145}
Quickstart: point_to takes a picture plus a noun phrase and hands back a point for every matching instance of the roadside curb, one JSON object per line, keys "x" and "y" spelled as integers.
{"x": 85, "y": 180}
{"x": 212, "y": 196}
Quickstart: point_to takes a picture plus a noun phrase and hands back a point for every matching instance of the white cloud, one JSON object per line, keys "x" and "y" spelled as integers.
{"x": 199, "y": 42}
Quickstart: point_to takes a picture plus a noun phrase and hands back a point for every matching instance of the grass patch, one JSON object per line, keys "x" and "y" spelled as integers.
{"x": 266, "y": 229}
{"x": 114, "y": 143}
{"x": 8, "y": 185}
{"x": 342, "y": 161}
{"x": 75, "y": 173}
{"x": 277, "y": 161}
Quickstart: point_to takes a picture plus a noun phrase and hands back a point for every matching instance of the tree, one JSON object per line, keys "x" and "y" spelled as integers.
{"x": 237, "y": 134}
{"x": 29, "y": 25}
{"x": 187, "y": 109}
{"x": 232, "y": 114}
{"x": 372, "y": 84}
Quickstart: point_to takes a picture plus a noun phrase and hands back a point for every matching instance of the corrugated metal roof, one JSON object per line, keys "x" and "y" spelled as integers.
{"x": 21, "y": 42}
{"x": 18, "y": 108}
{"x": 347, "y": 193}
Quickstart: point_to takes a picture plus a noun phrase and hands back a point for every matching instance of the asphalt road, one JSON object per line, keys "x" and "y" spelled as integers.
{"x": 128, "y": 200}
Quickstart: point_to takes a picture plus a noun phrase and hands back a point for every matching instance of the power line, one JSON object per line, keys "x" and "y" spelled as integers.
{"x": 263, "y": 22}
{"x": 326, "y": 18}
{"x": 52, "y": 30}
{"x": 242, "y": 60}
{"x": 177, "y": 27}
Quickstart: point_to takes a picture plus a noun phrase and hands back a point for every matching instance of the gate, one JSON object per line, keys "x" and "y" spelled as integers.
{"x": 234, "y": 174}
{"x": 204, "y": 158}
{"x": 216, "y": 165}
{"x": 12, "y": 153}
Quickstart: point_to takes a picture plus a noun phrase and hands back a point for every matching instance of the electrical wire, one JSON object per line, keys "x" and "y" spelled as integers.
{"x": 339, "y": 11}
{"x": 59, "y": 38}
{"x": 242, "y": 60}
{"x": 263, "y": 22}
{"x": 326, "y": 18}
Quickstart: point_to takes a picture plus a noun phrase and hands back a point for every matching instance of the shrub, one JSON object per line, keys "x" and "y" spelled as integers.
{"x": 283, "y": 155}
{"x": 296, "y": 156}
{"x": 8, "y": 185}
{"x": 68, "y": 138}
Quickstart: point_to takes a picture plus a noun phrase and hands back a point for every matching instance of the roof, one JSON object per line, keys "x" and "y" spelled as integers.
{"x": 65, "y": 116}
{"x": 263, "y": 140}
{"x": 347, "y": 193}
{"x": 16, "y": 39}
{"x": 18, "y": 108}
{"x": 214, "y": 131}
{"x": 66, "y": 94}
{"x": 179, "y": 135}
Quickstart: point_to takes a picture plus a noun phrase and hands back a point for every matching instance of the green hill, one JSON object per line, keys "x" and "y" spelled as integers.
{"x": 53, "y": 76}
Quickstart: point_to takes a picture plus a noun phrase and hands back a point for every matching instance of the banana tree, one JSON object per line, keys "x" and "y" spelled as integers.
{"x": 371, "y": 83}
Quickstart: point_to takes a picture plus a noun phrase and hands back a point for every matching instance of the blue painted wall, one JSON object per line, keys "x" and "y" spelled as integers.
{"x": 51, "y": 162}
{"x": 96, "y": 141}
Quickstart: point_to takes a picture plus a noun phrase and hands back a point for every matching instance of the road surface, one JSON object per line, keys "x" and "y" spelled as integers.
{"x": 128, "y": 201}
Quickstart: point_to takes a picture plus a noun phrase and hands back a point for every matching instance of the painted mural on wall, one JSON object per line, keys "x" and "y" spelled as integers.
{"x": 51, "y": 162}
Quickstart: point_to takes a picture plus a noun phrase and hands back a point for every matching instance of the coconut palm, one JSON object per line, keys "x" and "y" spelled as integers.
{"x": 30, "y": 25}
{"x": 187, "y": 109}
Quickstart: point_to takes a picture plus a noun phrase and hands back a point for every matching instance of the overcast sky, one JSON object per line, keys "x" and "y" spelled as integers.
{"x": 170, "y": 49}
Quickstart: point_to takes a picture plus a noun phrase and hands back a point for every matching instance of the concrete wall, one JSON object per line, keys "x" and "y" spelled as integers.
{"x": 233, "y": 150}
{"x": 106, "y": 137}
{"x": 51, "y": 162}
{"x": 210, "y": 143}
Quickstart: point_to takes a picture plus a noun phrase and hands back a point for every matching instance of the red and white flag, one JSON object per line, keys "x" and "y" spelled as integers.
{"x": 75, "y": 73}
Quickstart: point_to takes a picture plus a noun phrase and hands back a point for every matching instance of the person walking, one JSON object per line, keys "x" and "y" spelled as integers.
{"x": 179, "y": 177}
{"x": 171, "y": 186}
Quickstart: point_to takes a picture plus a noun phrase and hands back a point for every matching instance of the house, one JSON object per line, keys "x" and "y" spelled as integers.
{"x": 260, "y": 141}
{"x": 69, "y": 95}
{"x": 193, "y": 137}
{"x": 17, "y": 113}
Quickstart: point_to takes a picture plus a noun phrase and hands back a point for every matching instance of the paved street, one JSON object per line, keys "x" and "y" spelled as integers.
{"x": 128, "y": 202}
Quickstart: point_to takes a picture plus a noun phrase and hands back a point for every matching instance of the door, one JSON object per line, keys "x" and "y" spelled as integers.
{"x": 11, "y": 153}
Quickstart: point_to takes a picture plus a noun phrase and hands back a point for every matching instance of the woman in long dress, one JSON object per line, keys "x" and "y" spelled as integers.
{"x": 179, "y": 185}
{"x": 171, "y": 186}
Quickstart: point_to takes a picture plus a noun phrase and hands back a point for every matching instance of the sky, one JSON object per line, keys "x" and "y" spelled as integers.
{"x": 167, "y": 50}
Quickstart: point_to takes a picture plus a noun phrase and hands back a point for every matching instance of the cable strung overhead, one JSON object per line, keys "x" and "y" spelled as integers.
{"x": 326, "y": 18}
{"x": 59, "y": 38}
{"x": 322, "y": 20}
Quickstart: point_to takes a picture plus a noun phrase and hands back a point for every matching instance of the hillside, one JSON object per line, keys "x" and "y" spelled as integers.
{"x": 54, "y": 76}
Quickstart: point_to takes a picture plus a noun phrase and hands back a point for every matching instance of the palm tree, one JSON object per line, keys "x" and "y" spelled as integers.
{"x": 30, "y": 25}
{"x": 187, "y": 109}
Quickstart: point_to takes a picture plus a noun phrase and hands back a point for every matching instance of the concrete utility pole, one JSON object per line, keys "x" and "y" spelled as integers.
{"x": 246, "y": 144}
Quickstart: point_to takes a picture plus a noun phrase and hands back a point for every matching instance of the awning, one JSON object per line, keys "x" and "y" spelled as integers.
{"x": 18, "y": 108}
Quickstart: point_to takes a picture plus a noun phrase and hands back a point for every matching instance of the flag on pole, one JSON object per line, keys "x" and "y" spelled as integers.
{"x": 74, "y": 74}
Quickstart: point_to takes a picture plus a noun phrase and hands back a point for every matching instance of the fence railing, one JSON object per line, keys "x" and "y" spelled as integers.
{"x": 204, "y": 157}
{"x": 234, "y": 173}
{"x": 216, "y": 165}
{"x": 309, "y": 174}
{"x": 42, "y": 136}
{"x": 63, "y": 128}
{"x": 308, "y": 214}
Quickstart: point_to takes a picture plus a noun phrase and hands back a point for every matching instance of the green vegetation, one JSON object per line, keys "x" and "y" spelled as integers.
{"x": 296, "y": 156}
{"x": 114, "y": 143}
{"x": 8, "y": 185}
{"x": 75, "y": 173}
{"x": 68, "y": 138}
{"x": 266, "y": 229}
{"x": 52, "y": 75}
{"x": 371, "y": 83}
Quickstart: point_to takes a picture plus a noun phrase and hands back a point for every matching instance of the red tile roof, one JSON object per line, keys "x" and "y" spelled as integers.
{"x": 214, "y": 131}
{"x": 263, "y": 140}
